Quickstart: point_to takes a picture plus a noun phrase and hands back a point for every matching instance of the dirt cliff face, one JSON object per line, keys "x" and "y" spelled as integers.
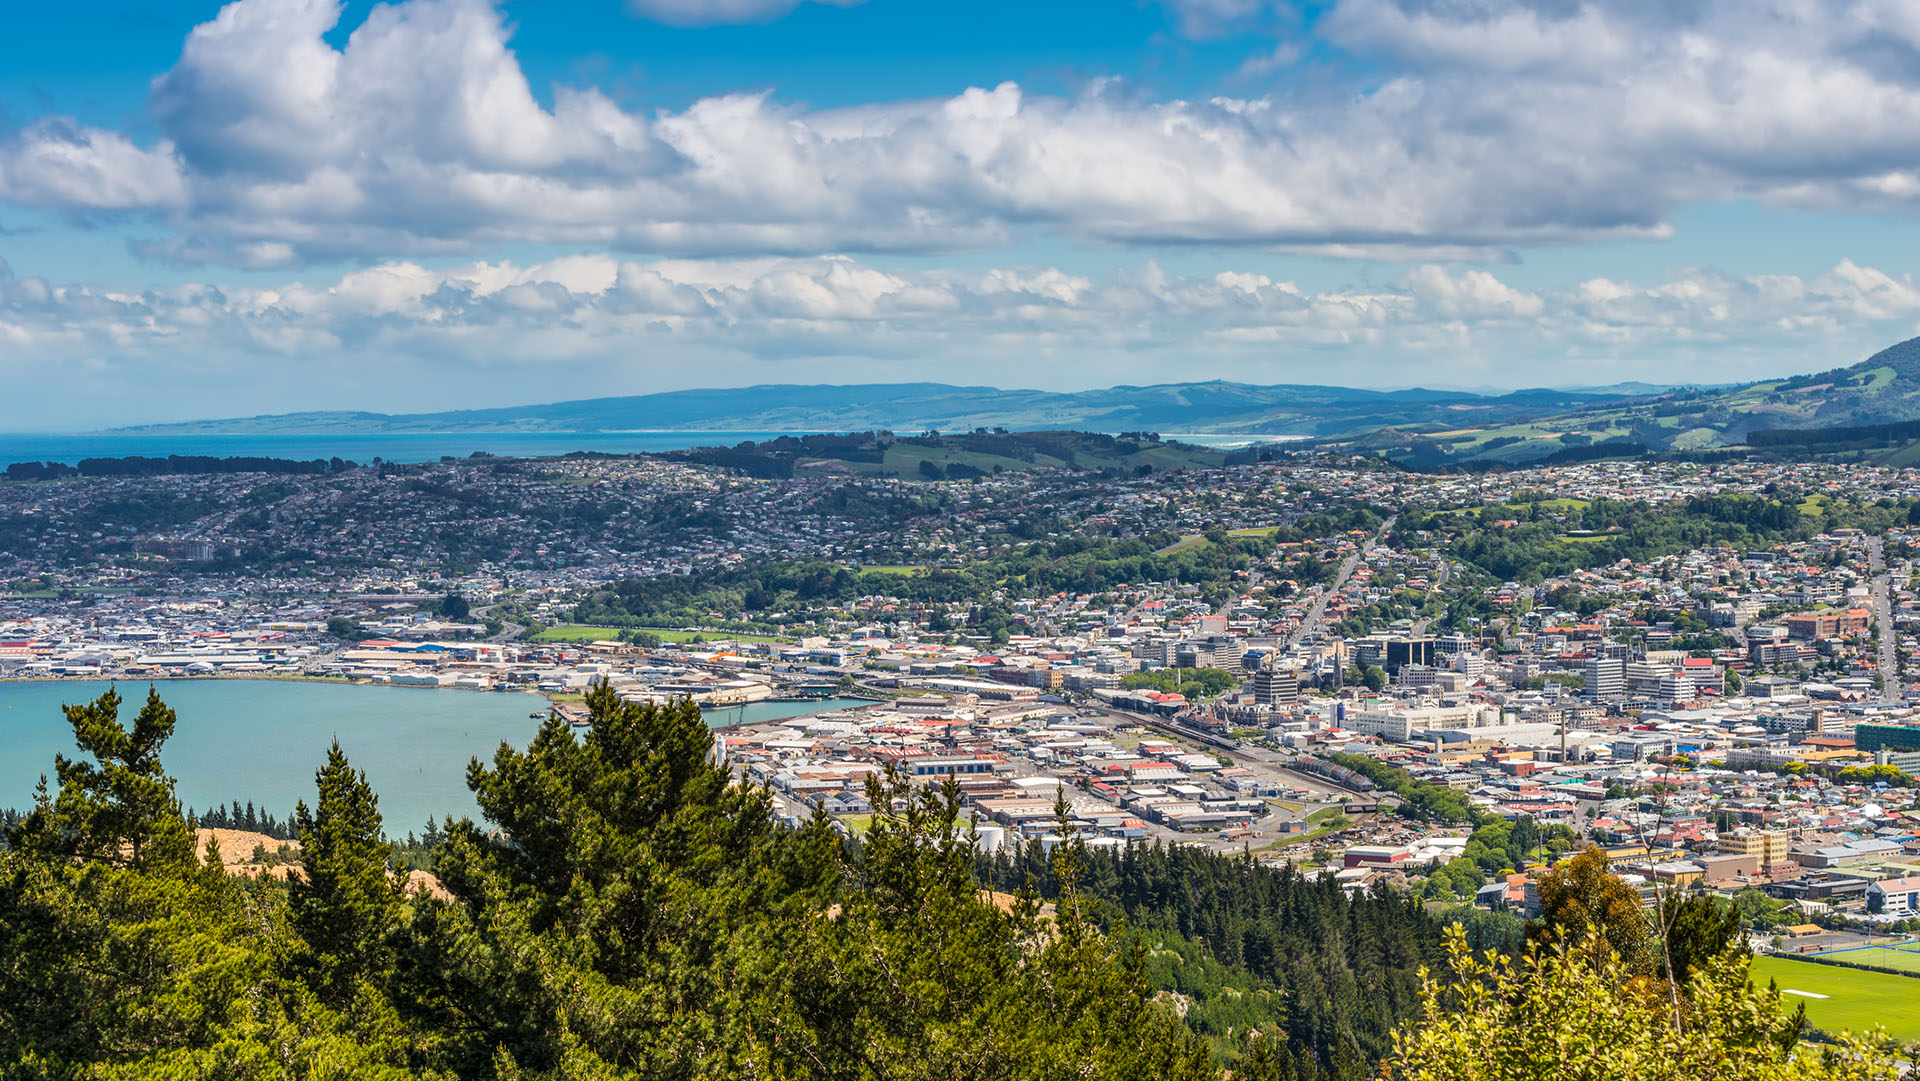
{"x": 256, "y": 854}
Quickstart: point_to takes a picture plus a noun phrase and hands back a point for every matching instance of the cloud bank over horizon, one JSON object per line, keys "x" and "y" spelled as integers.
{"x": 568, "y": 325}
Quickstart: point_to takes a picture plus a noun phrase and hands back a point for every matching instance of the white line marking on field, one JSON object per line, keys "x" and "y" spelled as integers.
{"x": 1802, "y": 994}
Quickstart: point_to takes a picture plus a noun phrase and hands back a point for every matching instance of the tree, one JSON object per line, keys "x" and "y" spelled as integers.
{"x": 1763, "y": 912}
{"x": 118, "y": 809}
{"x": 1586, "y": 905}
{"x": 345, "y": 905}
{"x": 920, "y": 977}
{"x": 1375, "y": 677}
{"x": 121, "y": 956}
{"x": 635, "y": 908}
{"x": 453, "y": 606}
{"x": 1581, "y": 1015}
{"x": 1696, "y": 928}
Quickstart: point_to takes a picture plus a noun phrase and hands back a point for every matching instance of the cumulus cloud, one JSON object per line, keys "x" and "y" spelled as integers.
{"x": 1497, "y": 123}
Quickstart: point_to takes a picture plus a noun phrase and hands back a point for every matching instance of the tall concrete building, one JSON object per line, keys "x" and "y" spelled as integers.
{"x": 1606, "y": 678}
{"x": 1271, "y": 688}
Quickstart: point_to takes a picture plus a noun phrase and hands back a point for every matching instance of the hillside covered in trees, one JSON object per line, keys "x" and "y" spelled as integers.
{"x": 633, "y": 912}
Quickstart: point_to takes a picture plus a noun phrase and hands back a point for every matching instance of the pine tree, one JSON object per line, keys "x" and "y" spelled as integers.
{"x": 345, "y": 905}
{"x": 118, "y": 809}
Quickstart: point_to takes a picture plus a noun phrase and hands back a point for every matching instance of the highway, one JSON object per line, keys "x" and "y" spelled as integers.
{"x": 1311, "y": 624}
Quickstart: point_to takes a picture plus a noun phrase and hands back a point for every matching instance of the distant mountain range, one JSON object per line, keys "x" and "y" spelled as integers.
{"x": 1216, "y": 407}
{"x": 1418, "y": 426}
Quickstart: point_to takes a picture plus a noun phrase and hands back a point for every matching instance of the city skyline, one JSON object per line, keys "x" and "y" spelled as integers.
{"x": 291, "y": 204}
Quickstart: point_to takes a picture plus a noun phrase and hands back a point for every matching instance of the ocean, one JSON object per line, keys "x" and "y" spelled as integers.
{"x": 262, "y": 740}
{"x": 421, "y": 446}
{"x": 405, "y": 447}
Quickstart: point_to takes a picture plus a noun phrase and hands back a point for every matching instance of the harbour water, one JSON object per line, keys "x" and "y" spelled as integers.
{"x": 262, "y": 740}
{"x": 399, "y": 447}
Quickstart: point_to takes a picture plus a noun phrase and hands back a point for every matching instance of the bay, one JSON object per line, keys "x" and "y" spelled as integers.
{"x": 262, "y": 740}
{"x": 396, "y": 447}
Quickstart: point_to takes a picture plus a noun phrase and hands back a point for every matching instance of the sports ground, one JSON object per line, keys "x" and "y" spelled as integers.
{"x": 1855, "y": 999}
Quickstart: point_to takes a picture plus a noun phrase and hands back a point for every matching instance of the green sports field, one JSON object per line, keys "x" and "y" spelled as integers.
{"x": 1856, "y": 999}
{"x": 1906, "y": 960}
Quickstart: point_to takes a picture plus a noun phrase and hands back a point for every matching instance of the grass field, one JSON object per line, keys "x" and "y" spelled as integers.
{"x": 575, "y": 632}
{"x": 1907, "y": 960}
{"x": 1856, "y": 999}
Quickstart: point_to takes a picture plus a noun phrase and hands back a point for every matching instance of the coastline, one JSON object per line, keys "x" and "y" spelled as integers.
{"x": 260, "y": 678}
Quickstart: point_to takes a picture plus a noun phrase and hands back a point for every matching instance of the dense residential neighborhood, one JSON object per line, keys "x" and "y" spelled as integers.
{"x": 1703, "y": 667}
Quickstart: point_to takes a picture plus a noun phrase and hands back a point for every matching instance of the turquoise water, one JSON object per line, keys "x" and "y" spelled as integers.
{"x": 262, "y": 740}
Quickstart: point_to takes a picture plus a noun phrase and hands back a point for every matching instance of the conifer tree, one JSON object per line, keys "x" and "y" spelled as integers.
{"x": 118, "y": 809}
{"x": 345, "y": 905}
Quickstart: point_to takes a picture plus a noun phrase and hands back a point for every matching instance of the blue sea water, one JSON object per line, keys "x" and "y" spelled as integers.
{"x": 405, "y": 447}
{"x": 262, "y": 740}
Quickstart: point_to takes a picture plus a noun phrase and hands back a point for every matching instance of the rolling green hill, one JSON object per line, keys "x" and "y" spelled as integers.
{"x": 1859, "y": 411}
{"x": 1418, "y": 427}
{"x": 957, "y": 456}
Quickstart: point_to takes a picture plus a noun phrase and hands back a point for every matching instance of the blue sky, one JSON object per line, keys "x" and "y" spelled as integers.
{"x": 274, "y": 205}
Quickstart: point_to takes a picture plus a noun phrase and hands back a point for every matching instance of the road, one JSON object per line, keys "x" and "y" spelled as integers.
{"x": 1439, "y": 583}
{"x": 1894, "y": 689}
{"x": 1271, "y": 760}
{"x": 1311, "y": 624}
{"x": 508, "y": 631}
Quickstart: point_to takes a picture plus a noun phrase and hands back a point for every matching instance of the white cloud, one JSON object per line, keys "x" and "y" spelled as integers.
{"x": 58, "y": 164}
{"x": 388, "y": 335}
{"x": 1498, "y": 123}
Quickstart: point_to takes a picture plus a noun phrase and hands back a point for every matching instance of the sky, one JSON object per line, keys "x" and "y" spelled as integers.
{"x": 283, "y": 205}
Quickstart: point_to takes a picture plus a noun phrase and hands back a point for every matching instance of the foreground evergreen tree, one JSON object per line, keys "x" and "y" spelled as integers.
{"x": 635, "y": 911}
{"x": 346, "y": 906}
{"x": 1694, "y": 929}
{"x": 921, "y": 975}
{"x": 122, "y": 956}
{"x": 118, "y": 809}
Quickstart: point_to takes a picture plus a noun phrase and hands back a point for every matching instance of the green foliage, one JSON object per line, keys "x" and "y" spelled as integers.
{"x": 118, "y": 809}
{"x": 1892, "y": 776}
{"x": 344, "y": 904}
{"x": 1695, "y": 929}
{"x": 1762, "y": 912}
{"x": 1584, "y": 905}
{"x": 1571, "y": 1014}
{"x": 1343, "y": 966}
{"x": 1421, "y": 800}
{"x": 1191, "y": 682}
{"x": 636, "y": 915}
